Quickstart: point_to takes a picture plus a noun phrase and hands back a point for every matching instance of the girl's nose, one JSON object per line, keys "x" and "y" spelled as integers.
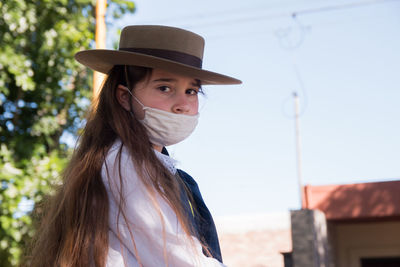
{"x": 181, "y": 105}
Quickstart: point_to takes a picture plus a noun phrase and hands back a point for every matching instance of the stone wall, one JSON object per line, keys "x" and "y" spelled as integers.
{"x": 309, "y": 238}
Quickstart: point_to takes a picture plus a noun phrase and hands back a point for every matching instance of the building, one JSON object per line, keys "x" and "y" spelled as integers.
{"x": 355, "y": 225}
{"x": 352, "y": 225}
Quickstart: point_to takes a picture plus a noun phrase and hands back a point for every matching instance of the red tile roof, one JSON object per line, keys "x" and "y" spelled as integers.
{"x": 355, "y": 201}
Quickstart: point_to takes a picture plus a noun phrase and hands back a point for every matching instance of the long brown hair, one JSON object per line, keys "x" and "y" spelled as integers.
{"x": 70, "y": 233}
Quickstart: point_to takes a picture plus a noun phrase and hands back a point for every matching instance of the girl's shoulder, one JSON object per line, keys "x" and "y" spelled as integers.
{"x": 118, "y": 168}
{"x": 117, "y": 156}
{"x": 117, "y": 152}
{"x": 115, "y": 147}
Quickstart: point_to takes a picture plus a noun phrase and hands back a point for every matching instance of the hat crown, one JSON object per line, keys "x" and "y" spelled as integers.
{"x": 162, "y": 38}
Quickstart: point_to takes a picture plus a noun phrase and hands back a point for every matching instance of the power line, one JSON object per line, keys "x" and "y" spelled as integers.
{"x": 340, "y": 7}
{"x": 273, "y": 29}
{"x": 219, "y": 13}
{"x": 264, "y": 17}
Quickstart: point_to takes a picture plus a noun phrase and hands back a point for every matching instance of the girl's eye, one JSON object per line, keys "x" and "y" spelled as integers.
{"x": 164, "y": 88}
{"x": 192, "y": 91}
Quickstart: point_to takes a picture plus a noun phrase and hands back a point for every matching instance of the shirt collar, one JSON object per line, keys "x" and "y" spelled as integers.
{"x": 167, "y": 161}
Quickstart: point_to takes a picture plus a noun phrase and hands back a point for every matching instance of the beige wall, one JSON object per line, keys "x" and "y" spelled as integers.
{"x": 255, "y": 249}
{"x": 254, "y": 240}
{"x": 353, "y": 241}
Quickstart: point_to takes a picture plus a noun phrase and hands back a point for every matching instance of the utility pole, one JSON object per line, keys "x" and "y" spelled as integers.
{"x": 298, "y": 147}
{"x": 100, "y": 37}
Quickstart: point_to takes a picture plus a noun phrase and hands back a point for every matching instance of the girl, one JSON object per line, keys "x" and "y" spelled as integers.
{"x": 122, "y": 201}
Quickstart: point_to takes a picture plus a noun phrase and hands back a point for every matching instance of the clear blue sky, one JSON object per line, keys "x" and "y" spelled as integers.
{"x": 243, "y": 152}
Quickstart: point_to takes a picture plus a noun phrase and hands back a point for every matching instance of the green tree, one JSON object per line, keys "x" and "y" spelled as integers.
{"x": 44, "y": 93}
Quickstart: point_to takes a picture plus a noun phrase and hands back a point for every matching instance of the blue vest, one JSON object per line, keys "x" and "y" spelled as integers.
{"x": 201, "y": 219}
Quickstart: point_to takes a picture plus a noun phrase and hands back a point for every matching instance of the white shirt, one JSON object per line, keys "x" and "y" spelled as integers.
{"x": 143, "y": 220}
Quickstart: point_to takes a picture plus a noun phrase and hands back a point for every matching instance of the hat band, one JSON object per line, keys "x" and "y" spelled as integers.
{"x": 168, "y": 54}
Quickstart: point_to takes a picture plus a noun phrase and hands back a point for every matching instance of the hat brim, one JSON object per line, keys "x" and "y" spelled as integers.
{"x": 102, "y": 60}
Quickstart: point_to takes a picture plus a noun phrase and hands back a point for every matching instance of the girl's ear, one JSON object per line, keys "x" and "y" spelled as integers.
{"x": 123, "y": 97}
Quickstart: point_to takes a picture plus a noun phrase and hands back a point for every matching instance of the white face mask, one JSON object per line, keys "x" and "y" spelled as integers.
{"x": 166, "y": 128}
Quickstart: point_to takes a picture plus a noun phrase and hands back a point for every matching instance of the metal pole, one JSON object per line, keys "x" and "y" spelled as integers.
{"x": 100, "y": 38}
{"x": 298, "y": 147}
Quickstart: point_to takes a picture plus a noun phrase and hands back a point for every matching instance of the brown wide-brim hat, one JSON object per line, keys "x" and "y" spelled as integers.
{"x": 168, "y": 48}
